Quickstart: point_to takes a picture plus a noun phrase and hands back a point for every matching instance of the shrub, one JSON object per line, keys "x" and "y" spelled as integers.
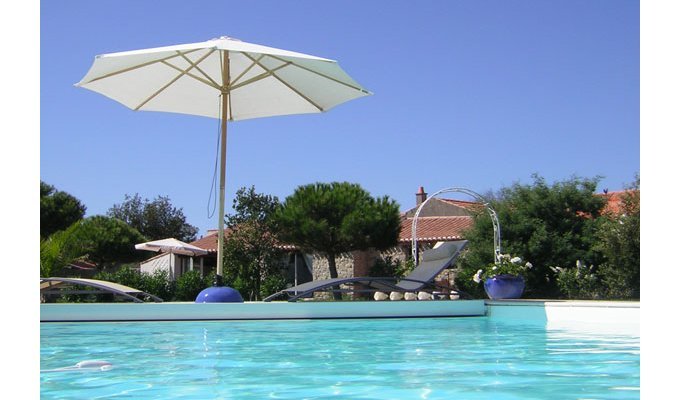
{"x": 189, "y": 285}
{"x": 125, "y": 275}
{"x": 156, "y": 283}
{"x": 620, "y": 244}
{"x": 548, "y": 224}
{"x": 580, "y": 282}
{"x": 159, "y": 284}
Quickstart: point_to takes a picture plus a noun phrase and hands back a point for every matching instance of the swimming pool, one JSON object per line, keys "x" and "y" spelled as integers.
{"x": 467, "y": 358}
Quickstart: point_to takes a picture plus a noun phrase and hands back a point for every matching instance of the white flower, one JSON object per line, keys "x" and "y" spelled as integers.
{"x": 529, "y": 265}
{"x": 516, "y": 260}
{"x": 477, "y": 278}
{"x": 495, "y": 267}
{"x": 579, "y": 264}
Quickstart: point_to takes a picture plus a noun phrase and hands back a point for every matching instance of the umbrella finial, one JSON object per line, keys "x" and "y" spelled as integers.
{"x": 226, "y": 38}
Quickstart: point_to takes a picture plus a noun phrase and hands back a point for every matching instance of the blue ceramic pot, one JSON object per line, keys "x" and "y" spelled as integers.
{"x": 504, "y": 287}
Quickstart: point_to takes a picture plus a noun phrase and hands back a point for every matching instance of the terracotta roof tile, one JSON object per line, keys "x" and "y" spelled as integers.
{"x": 468, "y": 205}
{"x": 429, "y": 229}
{"x": 615, "y": 201}
{"x": 207, "y": 242}
{"x": 436, "y": 228}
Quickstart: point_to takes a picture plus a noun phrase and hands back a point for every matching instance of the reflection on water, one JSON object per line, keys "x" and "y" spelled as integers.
{"x": 470, "y": 358}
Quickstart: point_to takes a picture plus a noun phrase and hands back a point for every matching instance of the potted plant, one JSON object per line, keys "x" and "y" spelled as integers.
{"x": 504, "y": 279}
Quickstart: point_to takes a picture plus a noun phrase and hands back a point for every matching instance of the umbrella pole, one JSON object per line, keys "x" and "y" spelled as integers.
{"x": 220, "y": 223}
{"x": 223, "y": 164}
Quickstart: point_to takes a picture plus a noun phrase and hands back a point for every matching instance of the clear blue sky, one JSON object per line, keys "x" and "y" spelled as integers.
{"x": 478, "y": 94}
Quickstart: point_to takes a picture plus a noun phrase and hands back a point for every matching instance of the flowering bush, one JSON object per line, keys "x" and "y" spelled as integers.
{"x": 508, "y": 266}
{"x": 580, "y": 282}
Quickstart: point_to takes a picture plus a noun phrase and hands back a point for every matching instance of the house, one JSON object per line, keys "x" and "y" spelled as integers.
{"x": 296, "y": 264}
{"x": 174, "y": 264}
{"x": 440, "y": 220}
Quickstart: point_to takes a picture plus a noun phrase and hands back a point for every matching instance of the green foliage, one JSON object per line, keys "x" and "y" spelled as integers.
{"x": 189, "y": 285}
{"x": 58, "y": 210}
{"x": 102, "y": 240}
{"x": 107, "y": 241}
{"x": 272, "y": 283}
{"x": 338, "y": 217}
{"x": 56, "y": 251}
{"x": 548, "y": 224}
{"x": 252, "y": 260}
{"x": 156, "y": 283}
{"x": 250, "y": 206}
{"x": 125, "y": 275}
{"x": 391, "y": 268}
{"x": 156, "y": 219}
{"x": 580, "y": 282}
{"x": 619, "y": 242}
{"x": 465, "y": 281}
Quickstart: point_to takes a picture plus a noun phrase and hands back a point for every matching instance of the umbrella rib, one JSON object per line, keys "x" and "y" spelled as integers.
{"x": 270, "y": 72}
{"x": 181, "y": 74}
{"x": 210, "y": 82}
{"x": 195, "y": 64}
{"x": 134, "y": 67}
{"x": 258, "y": 77}
{"x": 157, "y": 92}
{"x": 245, "y": 71}
{"x": 322, "y": 75}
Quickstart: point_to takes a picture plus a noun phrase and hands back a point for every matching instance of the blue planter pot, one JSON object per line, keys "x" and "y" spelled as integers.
{"x": 219, "y": 294}
{"x": 504, "y": 287}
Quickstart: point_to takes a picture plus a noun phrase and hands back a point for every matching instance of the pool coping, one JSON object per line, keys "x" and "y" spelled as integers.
{"x": 179, "y": 311}
{"x": 615, "y": 315}
{"x": 542, "y": 311}
{"x": 564, "y": 303}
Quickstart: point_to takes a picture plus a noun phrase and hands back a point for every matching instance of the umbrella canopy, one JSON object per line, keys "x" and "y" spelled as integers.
{"x": 171, "y": 245}
{"x": 191, "y": 78}
{"x": 222, "y": 78}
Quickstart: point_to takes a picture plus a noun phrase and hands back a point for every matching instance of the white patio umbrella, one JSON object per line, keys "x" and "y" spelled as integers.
{"x": 171, "y": 245}
{"x": 221, "y": 78}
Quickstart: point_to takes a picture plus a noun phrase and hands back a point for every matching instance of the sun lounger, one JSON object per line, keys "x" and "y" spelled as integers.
{"x": 60, "y": 286}
{"x": 432, "y": 262}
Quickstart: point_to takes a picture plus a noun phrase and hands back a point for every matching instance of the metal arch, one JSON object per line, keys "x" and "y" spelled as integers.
{"x": 489, "y": 209}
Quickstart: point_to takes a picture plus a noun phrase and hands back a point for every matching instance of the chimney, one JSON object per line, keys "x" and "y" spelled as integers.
{"x": 421, "y": 196}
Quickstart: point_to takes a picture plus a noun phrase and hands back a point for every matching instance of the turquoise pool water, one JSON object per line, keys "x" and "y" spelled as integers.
{"x": 444, "y": 358}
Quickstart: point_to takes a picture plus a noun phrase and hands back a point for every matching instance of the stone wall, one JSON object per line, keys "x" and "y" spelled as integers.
{"x": 359, "y": 263}
{"x": 356, "y": 263}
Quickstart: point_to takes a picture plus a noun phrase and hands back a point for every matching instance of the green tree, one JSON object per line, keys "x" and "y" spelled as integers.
{"x": 56, "y": 251}
{"x": 548, "y": 225}
{"x": 333, "y": 218}
{"x": 156, "y": 219}
{"x": 106, "y": 241}
{"x": 619, "y": 242}
{"x": 58, "y": 210}
{"x": 252, "y": 258}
